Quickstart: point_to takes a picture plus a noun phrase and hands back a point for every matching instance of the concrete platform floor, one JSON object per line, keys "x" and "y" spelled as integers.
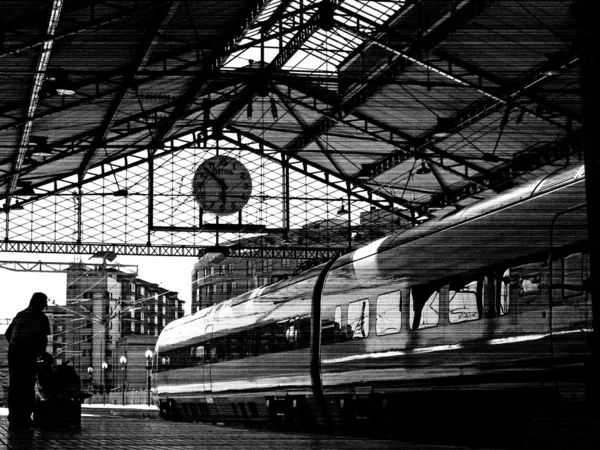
{"x": 139, "y": 428}
{"x": 106, "y": 432}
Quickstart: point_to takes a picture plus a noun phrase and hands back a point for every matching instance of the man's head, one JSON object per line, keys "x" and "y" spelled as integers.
{"x": 39, "y": 301}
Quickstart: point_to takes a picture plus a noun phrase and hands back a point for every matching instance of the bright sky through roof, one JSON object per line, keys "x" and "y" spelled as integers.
{"x": 323, "y": 51}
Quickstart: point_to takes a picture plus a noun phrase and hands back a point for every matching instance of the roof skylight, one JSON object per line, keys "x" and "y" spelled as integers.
{"x": 322, "y": 51}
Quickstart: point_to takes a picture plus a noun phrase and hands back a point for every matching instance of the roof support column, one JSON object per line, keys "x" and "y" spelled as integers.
{"x": 590, "y": 95}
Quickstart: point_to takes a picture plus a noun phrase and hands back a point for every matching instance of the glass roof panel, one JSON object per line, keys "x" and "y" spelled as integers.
{"x": 323, "y": 51}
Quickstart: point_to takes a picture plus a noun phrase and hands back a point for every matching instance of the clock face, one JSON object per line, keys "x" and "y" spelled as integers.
{"x": 222, "y": 185}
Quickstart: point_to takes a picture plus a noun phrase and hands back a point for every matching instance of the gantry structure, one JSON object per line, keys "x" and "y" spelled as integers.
{"x": 354, "y": 118}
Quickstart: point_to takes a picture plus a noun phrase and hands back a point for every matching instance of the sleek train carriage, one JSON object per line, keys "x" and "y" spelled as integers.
{"x": 486, "y": 307}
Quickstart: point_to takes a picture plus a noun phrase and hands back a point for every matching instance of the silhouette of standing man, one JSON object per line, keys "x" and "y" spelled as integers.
{"x": 27, "y": 336}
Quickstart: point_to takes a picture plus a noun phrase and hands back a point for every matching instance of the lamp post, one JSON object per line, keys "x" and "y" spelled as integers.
{"x": 90, "y": 371}
{"x": 104, "y": 367}
{"x": 123, "y": 361}
{"x": 148, "y": 368}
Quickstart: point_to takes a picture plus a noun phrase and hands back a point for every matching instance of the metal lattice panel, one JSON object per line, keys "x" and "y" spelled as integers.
{"x": 400, "y": 111}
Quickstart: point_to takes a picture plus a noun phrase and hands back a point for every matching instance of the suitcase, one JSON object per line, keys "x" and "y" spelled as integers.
{"x": 61, "y": 412}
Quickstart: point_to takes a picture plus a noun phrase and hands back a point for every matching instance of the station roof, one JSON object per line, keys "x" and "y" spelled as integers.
{"x": 416, "y": 107}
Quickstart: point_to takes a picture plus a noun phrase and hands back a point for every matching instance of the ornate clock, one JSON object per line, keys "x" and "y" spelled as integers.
{"x": 222, "y": 185}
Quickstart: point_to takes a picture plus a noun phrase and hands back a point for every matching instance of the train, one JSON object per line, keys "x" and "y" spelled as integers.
{"x": 488, "y": 306}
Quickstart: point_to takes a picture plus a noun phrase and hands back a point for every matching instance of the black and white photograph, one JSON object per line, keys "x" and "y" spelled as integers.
{"x": 299, "y": 224}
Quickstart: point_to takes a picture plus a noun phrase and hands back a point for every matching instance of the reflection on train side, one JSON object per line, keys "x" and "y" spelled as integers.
{"x": 466, "y": 303}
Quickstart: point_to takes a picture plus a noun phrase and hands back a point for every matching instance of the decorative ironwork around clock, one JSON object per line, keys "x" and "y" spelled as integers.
{"x": 222, "y": 185}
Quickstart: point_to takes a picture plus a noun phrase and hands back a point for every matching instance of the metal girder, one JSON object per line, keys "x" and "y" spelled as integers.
{"x": 49, "y": 266}
{"x": 503, "y": 95}
{"x": 151, "y": 37}
{"x": 170, "y": 250}
{"x": 38, "y": 77}
{"x": 327, "y": 152}
{"x": 201, "y": 82}
{"x": 303, "y": 165}
{"x": 385, "y": 134}
{"x": 67, "y": 186}
{"x": 197, "y": 87}
{"x": 363, "y": 92}
{"x": 124, "y": 11}
{"x": 266, "y": 73}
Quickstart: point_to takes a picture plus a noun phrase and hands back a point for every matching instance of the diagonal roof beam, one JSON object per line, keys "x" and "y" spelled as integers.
{"x": 395, "y": 138}
{"x": 290, "y": 109}
{"x": 327, "y": 174}
{"x": 34, "y": 96}
{"x": 211, "y": 69}
{"x": 284, "y": 55}
{"x": 163, "y": 16}
{"x": 124, "y": 12}
{"x": 364, "y": 90}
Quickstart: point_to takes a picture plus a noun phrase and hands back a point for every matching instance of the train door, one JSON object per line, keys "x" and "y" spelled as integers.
{"x": 571, "y": 302}
{"x": 532, "y": 301}
{"x": 207, "y": 365}
{"x": 571, "y": 322}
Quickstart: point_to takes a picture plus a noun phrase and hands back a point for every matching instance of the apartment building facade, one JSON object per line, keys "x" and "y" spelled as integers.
{"x": 105, "y": 309}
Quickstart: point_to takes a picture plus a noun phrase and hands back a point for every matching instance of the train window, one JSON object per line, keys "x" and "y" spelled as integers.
{"x": 213, "y": 354}
{"x": 337, "y": 317}
{"x": 575, "y": 272}
{"x": 424, "y": 308}
{"x": 331, "y": 330}
{"x": 504, "y": 301}
{"x": 199, "y": 353}
{"x": 358, "y": 319}
{"x": 327, "y": 332}
{"x": 389, "y": 313}
{"x": 529, "y": 283}
{"x": 463, "y": 303}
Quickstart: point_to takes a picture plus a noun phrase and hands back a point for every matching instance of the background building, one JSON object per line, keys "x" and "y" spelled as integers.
{"x": 216, "y": 278}
{"x": 106, "y": 309}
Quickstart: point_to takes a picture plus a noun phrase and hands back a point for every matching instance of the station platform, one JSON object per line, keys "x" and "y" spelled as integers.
{"x": 139, "y": 427}
{"x": 125, "y": 428}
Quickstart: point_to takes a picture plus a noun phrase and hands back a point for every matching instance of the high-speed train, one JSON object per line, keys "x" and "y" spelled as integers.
{"x": 486, "y": 307}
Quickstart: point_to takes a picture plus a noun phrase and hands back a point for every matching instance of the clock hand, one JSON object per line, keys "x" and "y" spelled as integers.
{"x": 223, "y": 194}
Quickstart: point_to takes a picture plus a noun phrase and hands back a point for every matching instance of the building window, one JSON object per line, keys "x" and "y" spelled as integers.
{"x": 230, "y": 267}
{"x": 249, "y": 267}
{"x": 142, "y": 328}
